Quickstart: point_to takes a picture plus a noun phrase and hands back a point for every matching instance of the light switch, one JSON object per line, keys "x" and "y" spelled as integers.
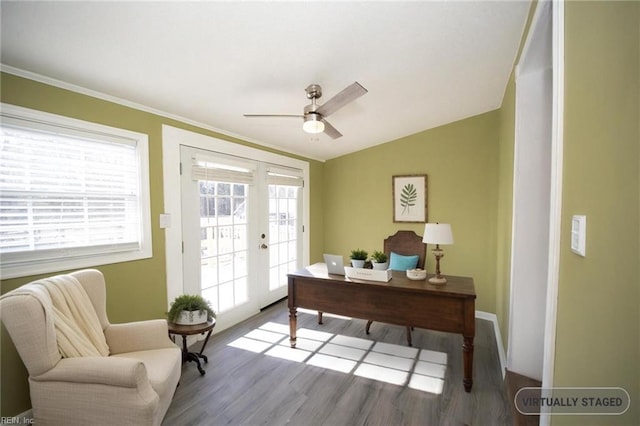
{"x": 579, "y": 234}
{"x": 165, "y": 220}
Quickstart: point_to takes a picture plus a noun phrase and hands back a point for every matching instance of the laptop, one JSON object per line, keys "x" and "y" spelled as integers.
{"x": 334, "y": 263}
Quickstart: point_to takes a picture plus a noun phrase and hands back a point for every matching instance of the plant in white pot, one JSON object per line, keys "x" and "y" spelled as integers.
{"x": 358, "y": 258}
{"x": 189, "y": 309}
{"x": 379, "y": 260}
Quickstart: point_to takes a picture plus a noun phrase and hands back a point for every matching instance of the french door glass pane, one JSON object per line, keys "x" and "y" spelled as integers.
{"x": 223, "y": 254}
{"x": 283, "y": 233}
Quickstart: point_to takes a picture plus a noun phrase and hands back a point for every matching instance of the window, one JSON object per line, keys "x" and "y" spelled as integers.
{"x": 72, "y": 194}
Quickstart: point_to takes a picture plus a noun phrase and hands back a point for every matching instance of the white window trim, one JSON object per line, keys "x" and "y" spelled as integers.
{"x": 44, "y": 266}
{"x": 172, "y": 139}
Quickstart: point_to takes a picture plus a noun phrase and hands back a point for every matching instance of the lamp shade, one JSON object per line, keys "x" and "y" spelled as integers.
{"x": 312, "y": 123}
{"x": 437, "y": 233}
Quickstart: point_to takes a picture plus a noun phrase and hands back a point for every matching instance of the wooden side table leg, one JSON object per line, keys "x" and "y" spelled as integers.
{"x": 185, "y": 350}
{"x": 467, "y": 349}
{"x": 293, "y": 325}
{"x": 206, "y": 339}
{"x": 319, "y": 317}
{"x": 186, "y": 331}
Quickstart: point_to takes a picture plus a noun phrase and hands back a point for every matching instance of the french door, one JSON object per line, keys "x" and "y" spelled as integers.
{"x": 284, "y": 192}
{"x": 241, "y": 230}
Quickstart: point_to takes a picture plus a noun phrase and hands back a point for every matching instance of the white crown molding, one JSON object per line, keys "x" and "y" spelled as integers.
{"x": 130, "y": 104}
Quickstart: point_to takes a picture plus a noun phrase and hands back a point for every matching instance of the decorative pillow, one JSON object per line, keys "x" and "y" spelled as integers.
{"x": 399, "y": 262}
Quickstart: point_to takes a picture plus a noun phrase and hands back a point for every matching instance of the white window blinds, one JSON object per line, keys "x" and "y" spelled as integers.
{"x": 67, "y": 195}
{"x": 283, "y": 176}
{"x": 226, "y": 170}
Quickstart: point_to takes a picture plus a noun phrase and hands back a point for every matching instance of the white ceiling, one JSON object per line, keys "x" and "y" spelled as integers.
{"x": 424, "y": 63}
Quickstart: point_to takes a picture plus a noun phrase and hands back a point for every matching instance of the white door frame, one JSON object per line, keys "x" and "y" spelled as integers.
{"x": 172, "y": 138}
{"x": 555, "y": 228}
{"x": 547, "y": 13}
{"x": 531, "y": 199}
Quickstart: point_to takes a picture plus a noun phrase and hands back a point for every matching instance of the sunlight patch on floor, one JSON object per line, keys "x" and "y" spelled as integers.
{"x": 264, "y": 336}
{"x": 250, "y": 345}
{"x": 305, "y": 344}
{"x": 419, "y": 369}
{"x": 388, "y": 375}
{"x": 289, "y": 353}
{"x": 345, "y": 352}
{"x": 332, "y": 363}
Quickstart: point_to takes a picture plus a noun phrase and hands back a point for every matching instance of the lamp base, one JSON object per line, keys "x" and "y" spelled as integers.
{"x": 438, "y": 280}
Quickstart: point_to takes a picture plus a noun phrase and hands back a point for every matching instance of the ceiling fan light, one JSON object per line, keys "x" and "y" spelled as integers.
{"x": 312, "y": 124}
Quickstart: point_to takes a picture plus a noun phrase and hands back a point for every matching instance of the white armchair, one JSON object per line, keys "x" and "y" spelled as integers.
{"x": 134, "y": 385}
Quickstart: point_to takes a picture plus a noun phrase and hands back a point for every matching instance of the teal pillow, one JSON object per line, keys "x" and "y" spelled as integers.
{"x": 402, "y": 263}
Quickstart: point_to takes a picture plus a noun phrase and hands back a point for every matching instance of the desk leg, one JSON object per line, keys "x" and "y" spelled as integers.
{"x": 319, "y": 317}
{"x": 467, "y": 349}
{"x": 293, "y": 325}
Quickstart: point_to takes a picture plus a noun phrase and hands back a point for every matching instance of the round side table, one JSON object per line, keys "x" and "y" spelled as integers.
{"x": 189, "y": 330}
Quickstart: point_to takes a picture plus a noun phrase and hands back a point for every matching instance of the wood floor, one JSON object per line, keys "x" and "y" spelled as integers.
{"x": 247, "y": 388}
{"x": 514, "y": 382}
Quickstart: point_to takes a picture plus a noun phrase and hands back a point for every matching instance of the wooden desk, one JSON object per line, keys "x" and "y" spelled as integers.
{"x": 401, "y": 301}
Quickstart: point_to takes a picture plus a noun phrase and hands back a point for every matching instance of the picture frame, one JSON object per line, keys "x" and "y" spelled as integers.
{"x": 409, "y": 198}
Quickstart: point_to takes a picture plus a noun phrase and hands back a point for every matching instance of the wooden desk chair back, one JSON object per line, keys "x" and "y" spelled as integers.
{"x": 406, "y": 243}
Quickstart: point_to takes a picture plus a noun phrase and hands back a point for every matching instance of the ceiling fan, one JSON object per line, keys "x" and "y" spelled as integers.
{"x": 314, "y": 114}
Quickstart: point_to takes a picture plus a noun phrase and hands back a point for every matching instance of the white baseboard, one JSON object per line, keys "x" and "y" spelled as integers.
{"x": 496, "y": 330}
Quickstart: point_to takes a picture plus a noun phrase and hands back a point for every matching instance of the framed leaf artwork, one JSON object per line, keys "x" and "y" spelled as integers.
{"x": 410, "y": 198}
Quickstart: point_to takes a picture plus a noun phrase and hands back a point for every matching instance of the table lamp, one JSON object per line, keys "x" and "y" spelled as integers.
{"x": 437, "y": 233}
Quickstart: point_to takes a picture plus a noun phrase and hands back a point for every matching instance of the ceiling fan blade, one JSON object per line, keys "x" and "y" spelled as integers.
{"x": 273, "y": 115}
{"x": 347, "y": 95}
{"x": 330, "y": 130}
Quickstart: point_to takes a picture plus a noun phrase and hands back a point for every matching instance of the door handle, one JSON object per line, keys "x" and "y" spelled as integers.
{"x": 263, "y": 246}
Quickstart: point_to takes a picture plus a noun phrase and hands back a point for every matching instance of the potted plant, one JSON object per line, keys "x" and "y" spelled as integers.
{"x": 189, "y": 309}
{"x": 358, "y": 258}
{"x": 379, "y": 260}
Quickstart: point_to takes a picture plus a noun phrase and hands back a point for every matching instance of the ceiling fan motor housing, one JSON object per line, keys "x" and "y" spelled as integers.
{"x": 314, "y": 91}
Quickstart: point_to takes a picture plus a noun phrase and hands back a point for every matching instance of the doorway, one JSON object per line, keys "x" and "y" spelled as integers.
{"x": 534, "y": 188}
{"x": 236, "y": 221}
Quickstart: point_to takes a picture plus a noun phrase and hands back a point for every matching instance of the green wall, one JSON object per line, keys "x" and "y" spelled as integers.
{"x": 505, "y": 209}
{"x": 598, "y": 323}
{"x": 460, "y": 160}
{"x": 131, "y": 283}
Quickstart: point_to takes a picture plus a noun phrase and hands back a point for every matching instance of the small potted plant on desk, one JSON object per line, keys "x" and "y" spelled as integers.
{"x": 190, "y": 309}
{"x": 379, "y": 260}
{"x": 358, "y": 258}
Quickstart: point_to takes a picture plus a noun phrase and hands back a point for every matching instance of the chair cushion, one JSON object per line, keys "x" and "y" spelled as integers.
{"x": 402, "y": 263}
{"x": 163, "y": 369}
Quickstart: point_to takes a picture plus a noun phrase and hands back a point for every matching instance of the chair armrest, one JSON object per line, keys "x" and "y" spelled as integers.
{"x": 121, "y": 372}
{"x": 138, "y": 336}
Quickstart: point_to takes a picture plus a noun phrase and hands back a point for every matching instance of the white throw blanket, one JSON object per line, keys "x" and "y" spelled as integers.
{"x": 78, "y": 329}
